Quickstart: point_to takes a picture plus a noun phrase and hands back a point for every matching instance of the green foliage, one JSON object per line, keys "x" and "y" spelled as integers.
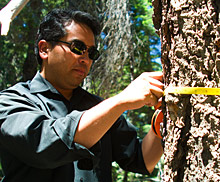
{"x": 148, "y": 40}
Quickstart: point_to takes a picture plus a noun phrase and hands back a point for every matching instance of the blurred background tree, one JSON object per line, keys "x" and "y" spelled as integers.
{"x": 128, "y": 45}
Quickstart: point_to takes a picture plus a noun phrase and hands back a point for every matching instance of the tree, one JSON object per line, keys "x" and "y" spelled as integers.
{"x": 190, "y": 33}
{"x": 9, "y": 12}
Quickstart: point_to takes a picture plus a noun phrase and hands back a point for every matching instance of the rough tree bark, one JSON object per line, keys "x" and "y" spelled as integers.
{"x": 190, "y": 36}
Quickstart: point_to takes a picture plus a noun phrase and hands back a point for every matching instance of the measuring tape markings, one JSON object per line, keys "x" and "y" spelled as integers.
{"x": 192, "y": 90}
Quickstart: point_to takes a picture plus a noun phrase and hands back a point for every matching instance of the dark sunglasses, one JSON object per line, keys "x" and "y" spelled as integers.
{"x": 79, "y": 47}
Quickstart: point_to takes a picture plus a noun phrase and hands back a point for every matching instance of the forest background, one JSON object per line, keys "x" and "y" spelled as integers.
{"x": 128, "y": 43}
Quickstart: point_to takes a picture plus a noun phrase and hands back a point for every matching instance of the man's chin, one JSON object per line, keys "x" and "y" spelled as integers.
{"x": 77, "y": 83}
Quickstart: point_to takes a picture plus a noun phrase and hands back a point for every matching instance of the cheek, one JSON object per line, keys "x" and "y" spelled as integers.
{"x": 61, "y": 58}
{"x": 55, "y": 56}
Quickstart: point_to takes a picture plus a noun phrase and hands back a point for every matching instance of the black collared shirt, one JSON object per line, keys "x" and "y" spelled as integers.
{"x": 37, "y": 137}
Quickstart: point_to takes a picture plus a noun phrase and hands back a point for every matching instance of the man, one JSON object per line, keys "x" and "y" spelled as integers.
{"x": 52, "y": 130}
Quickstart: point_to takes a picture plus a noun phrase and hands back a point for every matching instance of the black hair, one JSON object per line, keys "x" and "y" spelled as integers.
{"x": 53, "y": 26}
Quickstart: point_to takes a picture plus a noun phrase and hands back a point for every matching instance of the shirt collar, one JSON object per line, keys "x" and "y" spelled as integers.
{"x": 40, "y": 84}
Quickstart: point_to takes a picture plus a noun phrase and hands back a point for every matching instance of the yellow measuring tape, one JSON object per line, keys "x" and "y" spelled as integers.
{"x": 192, "y": 90}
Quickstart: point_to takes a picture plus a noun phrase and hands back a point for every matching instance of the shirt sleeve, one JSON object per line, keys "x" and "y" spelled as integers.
{"x": 37, "y": 139}
{"x": 127, "y": 150}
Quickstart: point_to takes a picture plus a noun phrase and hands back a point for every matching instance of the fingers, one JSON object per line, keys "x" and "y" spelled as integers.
{"x": 144, "y": 90}
{"x": 154, "y": 78}
{"x": 155, "y": 85}
{"x": 158, "y": 105}
{"x": 157, "y": 91}
{"x": 155, "y": 82}
{"x": 154, "y": 75}
{"x": 151, "y": 100}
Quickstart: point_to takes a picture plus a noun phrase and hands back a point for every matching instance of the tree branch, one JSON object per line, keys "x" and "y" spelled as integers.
{"x": 9, "y": 12}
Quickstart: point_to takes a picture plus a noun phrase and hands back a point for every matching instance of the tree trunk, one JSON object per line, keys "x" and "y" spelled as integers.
{"x": 190, "y": 57}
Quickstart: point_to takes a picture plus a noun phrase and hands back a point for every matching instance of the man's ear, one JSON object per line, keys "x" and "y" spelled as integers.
{"x": 43, "y": 46}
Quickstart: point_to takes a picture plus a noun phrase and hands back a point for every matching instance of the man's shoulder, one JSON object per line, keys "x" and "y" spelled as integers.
{"x": 18, "y": 88}
{"x": 18, "y": 93}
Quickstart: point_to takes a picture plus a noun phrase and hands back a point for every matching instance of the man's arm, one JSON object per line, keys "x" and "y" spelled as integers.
{"x": 152, "y": 150}
{"x": 95, "y": 122}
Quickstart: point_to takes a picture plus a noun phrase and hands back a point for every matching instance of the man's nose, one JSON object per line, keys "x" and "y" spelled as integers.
{"x": 84, "y": 58}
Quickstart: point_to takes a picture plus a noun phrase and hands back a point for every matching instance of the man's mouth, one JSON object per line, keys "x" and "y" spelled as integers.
{"x": 81, "y": 72}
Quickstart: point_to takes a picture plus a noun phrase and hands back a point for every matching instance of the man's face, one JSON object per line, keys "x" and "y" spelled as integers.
{"x": 64, "y": 69}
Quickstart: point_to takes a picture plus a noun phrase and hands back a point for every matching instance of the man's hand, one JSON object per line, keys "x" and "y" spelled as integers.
{"x": 144, "y": 90}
